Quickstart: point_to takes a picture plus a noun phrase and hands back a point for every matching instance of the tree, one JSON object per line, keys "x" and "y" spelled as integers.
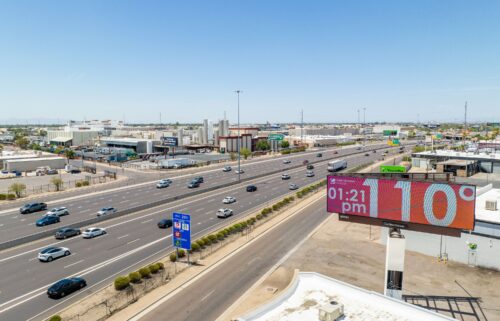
{"x": 263, "y": 145}
{"x": 70, "y": 154}
{"x": 22, "y": 142}
{"x": 17, "y": 188}
{"x": 57, "y": 182}
{"x": 285, "y": 144}
{"x": 232, "y": 156}
{"x": 245, "y": 152}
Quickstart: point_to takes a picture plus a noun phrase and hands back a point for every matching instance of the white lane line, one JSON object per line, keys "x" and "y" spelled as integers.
{"x": 147, "y": 221}
{"x": 79, "y": 207}
{"x": 130, "y": 242}
{"x": 200, "y": 209}
{"x": 206, "y": 296}
{"x": 125, "y": 201}
{"x": 32, "y": 259}
{"x": 69, "y": 265}
{"x": 23, "y": 219}
{"x": 123, "y": 236}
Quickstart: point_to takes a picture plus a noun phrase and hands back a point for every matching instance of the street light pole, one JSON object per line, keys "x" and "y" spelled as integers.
{"x": 238, "y": 140}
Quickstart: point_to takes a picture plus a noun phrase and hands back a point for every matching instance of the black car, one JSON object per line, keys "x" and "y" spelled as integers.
{"x": 319, "y": 155}
{"x": 33, "y": 207}
{"x": 251, "y": 188}
{"x": 310, "y": 166}
{"x": 65, "y": 286}
{"x": 194, "y": 184}
{"x": 367, "y": 154}
{"x": 198, "y": 179}
{"x": 67, "y": 232}
{"x": 165, "y": 223}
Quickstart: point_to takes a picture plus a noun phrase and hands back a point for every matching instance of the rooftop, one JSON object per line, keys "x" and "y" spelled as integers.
{"x": 487, "y": 193}
{"x": 310, "y": 291}
{"x": 452, "y": 153}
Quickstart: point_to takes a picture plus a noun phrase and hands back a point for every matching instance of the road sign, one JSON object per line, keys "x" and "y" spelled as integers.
{"x": 181, "y": 236}
{"x": 275, "y": 137}
{"x": 390, "y": 132}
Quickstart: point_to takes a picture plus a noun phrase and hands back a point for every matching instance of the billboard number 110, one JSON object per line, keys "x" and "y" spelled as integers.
{"x": 451, "y": 208}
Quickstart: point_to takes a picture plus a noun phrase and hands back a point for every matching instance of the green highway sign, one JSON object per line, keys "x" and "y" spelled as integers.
{"x": 390, "y": 132}
{"x": 392, "y": 169}
{"x": 275, "y": 137}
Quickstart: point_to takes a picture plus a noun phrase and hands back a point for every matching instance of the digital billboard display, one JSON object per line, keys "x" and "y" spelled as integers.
{"x": 436, "y": 204}
{"x": 169, "y": 141}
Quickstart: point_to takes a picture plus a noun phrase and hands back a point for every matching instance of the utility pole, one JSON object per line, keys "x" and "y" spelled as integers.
{"x": 364, "y": 116}
{"x": 465, "y": 125}
{"x": 238, "y": 140}
{"x": 358, "y": 118}
{"x": 302, "y": 126}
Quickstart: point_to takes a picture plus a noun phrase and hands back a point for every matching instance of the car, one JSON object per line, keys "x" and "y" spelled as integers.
{"x": 67, "y": 232}
{"x": 193, "y": 184}
{"x": 305, "y": 162}
{"x": 335, "y": 152}
{"x": 366, "y": 154}
{"x": 65, "y": 286}
{"x": 52, "y": 172}
{"x": 166, "y": 180}
{"x": 224, "y": 212}
{"x": 293, "y": 187}
{"x": 239, "y": 171}
{"x": 93, "y": 232}
{"x": 162, "y": 184}
{"x": 310, "y": 166}
{"x": 227, "y": 169}
{"x": 287, "y": 161}
{"x": 251, "y": 188}
{"x": 198, "y": 179}
{"x": 228, "y": 200}
{"x": 285, "y": 176}
{"x": 75, "y": 171}
{"x": 47, "y": 220}
{"x": 319, "y": 155}
{"x": 309, "y": 174}
{"x": 374, "y": 151}
{"x": 32, "y": 208}
{"x": 51, "y": 253}
{"x": 106, "y": 211}
{"x": 165, "y": 223}
{"x": 58, "y": 211}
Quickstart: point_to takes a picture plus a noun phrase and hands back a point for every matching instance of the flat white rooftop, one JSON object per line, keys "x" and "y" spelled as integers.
{"x": 484, "y": 194}
{"x": 452, "y": 153}
{"x": 309, "y": 291}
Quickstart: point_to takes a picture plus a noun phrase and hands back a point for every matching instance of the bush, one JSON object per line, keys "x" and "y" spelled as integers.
{"x": 207, "y": 241}
{"x": 195, "y": 247}
{"x": 291, "y": 198}
{"x": 11, "y": 197}
{"x": 3, "y": 197}
{"x": 145, "y": 272}
{"x": 231, "y": 229}
{"x": 134, "y": 277}
{"x": 200, "y": 243}
{"x": 78, "y": 184}
{"x": 220, "y": 236}
{"x": 212, "y": 238}
{"x": 153, "y": 268}
{"x": 54, "y": 318}
{"x": 299, "y": 194}
{"x": 121, "y": 282}
{"x": 173, "y": 257}
{"x": 226, "y": 232}
{"x": 182, "y": 253}
{"x": 86, "y": 183}
{"x": 237, "y": 227}
{"x": 276, "y": 207}
{"x": 161, "y": 266}
{"x": 259, "y": 216}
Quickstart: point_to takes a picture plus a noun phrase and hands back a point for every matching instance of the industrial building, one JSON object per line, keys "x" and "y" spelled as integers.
{"x": 24, "y": 154}
{"x": 68, "y": 138}
{"x": 476, "y": 162}
{"x": 140, "y": 146}
{"x": 31, "y": 164}
{"x": 319, "y": 140}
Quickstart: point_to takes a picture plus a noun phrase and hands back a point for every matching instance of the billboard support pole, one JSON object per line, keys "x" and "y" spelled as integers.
{"x": 394, "y": 264}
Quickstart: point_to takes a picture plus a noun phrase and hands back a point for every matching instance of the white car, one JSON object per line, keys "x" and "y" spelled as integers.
{"x": 224, "y": 212}
{"x": 166, "y": 180}
{"x": 162, "y": 184}
{"x": 226, "y": 169}
{"x": 241, "y": 171}
{"x": 51, "y": 253}
{"x": 285, "y": 176}
{"x": 293, "y": 186}
{"x": 286, "y": 161}
{"x": 58, "y": 211}
{"x": 228, "y": 200}
{"x": 310, "y": 174}
{"x": 106, "y": 211}
{"x": 93, "y": 232}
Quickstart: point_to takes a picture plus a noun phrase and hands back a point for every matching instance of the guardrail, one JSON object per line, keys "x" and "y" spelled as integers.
{"x": 92, "y": 221}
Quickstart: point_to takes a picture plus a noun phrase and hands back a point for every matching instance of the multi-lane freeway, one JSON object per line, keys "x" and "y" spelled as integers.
{"x": 134, "y": 240}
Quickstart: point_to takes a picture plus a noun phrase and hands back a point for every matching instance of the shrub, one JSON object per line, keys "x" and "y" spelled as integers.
{"x": 153, "y": 268}
{"x": 200, "y": 243}
{"x": 291, "y": 198}
{"x": 86, "y": 183}
{"x": 3, "y": 197}
{"x": 212, "y": 238}
{"x": 144, "y": 272}
{"x": 226, "y": 232}
{"x": 259, "y": 216}
{"x": 249, "y": 222}
{"x": 182, "y": 253}
{"x": 173, "y": 257}
{"x": 195, "y": 247}
{"x": 78, "y": 184}
{"x": 243, "y": 225}
{"x": 299, "y": 194}
{"x": 231, "y": 229}
{"x": 276, "y": 207}
{"x": 121, "y": 282}
{"x": 11, "y": 197}
{"x": 220, "y": 236}
{"x": 207, "y": 241}
{"x": 161, "y": 266}
{"x": 237, "y": 227}
{"x": 134, "y": 277}
{"x": 54, "y": 318}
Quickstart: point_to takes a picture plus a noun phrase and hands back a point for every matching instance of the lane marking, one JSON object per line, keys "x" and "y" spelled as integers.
{"x": 130, "y": 242}
{"x": 206, "y": 296}
{"x": 123, "y": 236}
{"x": 147, "y": 221}
{"x": 69, "y": 265}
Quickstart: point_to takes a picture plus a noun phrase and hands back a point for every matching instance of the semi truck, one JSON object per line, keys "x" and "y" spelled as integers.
{"x": 337, "y": 165}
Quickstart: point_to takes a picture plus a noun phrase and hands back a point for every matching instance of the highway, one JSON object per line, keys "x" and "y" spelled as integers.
{"x": 211, "y": 295}
{"x": 14, "y": 225}
{"x": 132, "y": 242}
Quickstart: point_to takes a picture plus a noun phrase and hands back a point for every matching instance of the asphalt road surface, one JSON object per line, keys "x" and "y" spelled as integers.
{"x": 132, "y": 242}
{"x": 14, "y": 225}
{"x": 208, "y": 297}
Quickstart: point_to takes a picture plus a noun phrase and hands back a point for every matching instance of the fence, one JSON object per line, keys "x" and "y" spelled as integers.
{"x": 113, "y": 301}
{"x": 65, "y": 185}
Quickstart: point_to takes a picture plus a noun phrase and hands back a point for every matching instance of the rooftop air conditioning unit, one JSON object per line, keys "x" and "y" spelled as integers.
{"x": 491, "y": 205}
{"x": 331, "y": 312}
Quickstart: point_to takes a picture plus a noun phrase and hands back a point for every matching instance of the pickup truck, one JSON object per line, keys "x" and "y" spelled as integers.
{"x": 33, "y": 207}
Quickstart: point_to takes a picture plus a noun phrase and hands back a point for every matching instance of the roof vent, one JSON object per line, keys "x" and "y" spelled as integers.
{"x": 491, "y": 205}
{"x": 331, "y": 312}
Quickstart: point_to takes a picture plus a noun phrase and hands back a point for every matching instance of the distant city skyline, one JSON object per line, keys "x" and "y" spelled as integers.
{"x": 132, "y": 60}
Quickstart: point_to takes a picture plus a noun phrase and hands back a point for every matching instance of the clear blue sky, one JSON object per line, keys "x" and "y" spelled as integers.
{"x": 135, "y": 59}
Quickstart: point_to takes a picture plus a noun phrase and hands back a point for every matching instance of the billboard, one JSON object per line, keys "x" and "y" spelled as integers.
{"x": 393, "y": 142}
{"x": 390, "y": 132}
{"x": 169, "y": 141}
{"x": 441, "y": 205}
{"x": 392, "y": 169}
{"x": 181, "y": 233}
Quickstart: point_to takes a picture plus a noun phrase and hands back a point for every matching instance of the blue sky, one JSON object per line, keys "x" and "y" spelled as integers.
{"x": 135, "y": 59}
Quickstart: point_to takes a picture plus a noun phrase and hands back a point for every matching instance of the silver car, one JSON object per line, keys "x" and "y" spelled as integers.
{"x": 58, "y": 211}
{"x": 106, "y": 211}
{"x": 224, "y": 212}
{"x": 293, "y": 186}
{"x": 228, "y": 200}
{"x": 51, "y": 253}
{"x": 93, "y": 232}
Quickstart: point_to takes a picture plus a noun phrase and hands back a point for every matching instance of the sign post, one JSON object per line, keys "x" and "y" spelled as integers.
{"x": 181, "y": 237}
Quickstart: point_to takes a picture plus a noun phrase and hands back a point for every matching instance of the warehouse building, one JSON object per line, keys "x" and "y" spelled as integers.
{"x": 72, "y": 138}
{"x": 482, "y": 162}
{"x": 31, "y": 164}
{"x": 140, "y": 146}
